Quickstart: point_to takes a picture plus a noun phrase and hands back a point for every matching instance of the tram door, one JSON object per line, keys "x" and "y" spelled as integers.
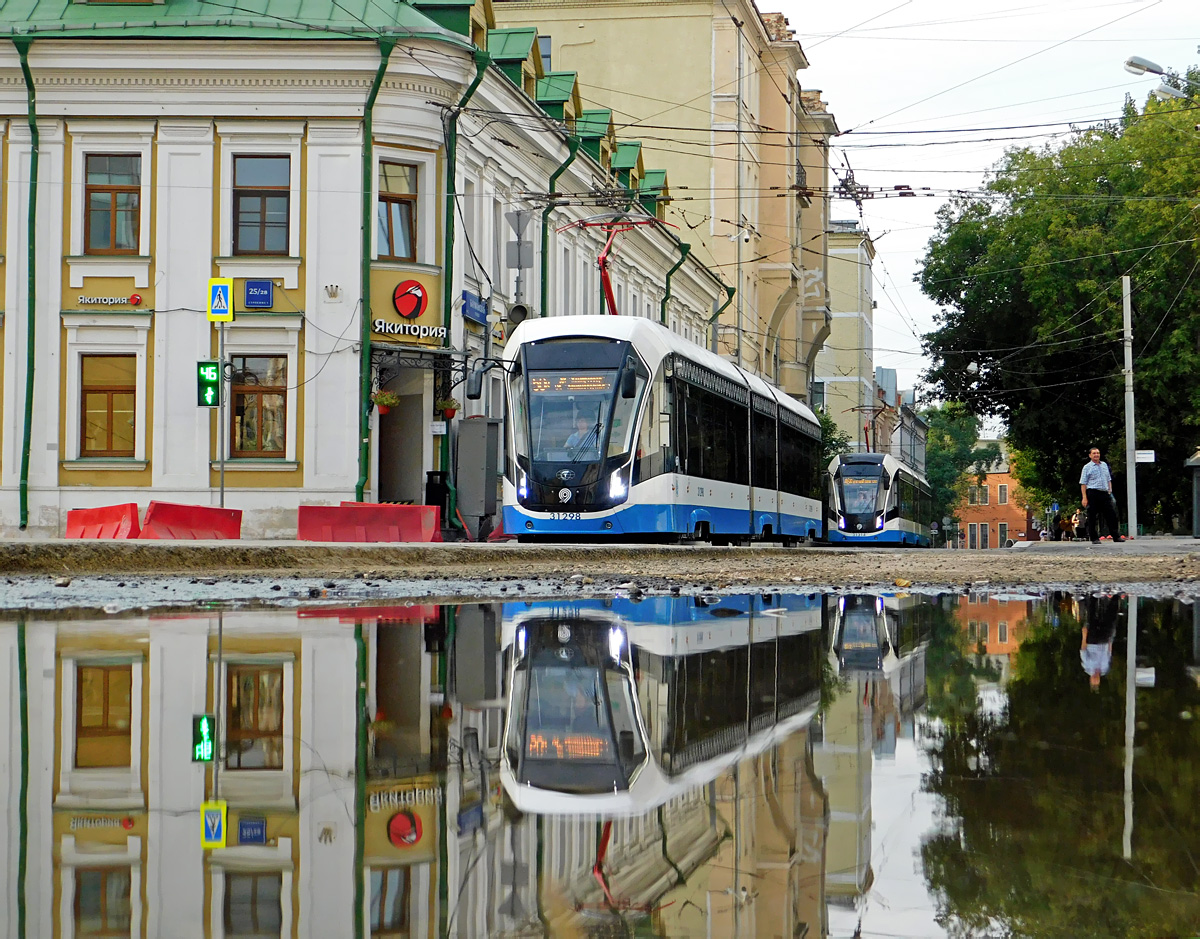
{"x": 764, "y": 468}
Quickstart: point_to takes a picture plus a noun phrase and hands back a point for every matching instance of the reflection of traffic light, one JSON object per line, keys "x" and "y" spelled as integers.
{"x": 208, "y": 384}
{"x": 203, "y": 738}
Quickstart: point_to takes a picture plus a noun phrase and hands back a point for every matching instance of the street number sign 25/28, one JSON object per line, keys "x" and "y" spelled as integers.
{"x": 208, "y": 384}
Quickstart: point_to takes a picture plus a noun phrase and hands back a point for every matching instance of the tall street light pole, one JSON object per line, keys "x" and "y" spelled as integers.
{"x": 1130, "y": 440}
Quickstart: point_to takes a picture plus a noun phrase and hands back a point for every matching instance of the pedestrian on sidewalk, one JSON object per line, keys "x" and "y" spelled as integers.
{"x": 1095, "y": 483}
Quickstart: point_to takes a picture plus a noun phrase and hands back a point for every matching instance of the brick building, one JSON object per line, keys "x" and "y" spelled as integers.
{"x": 995, "y": 511}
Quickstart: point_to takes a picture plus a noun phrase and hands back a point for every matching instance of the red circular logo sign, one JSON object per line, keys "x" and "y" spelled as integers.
{"x": 404, "y": 829}
{"x": 135, "y": 299}
{"x": 409, "y": 299}
{"x": 127, "y": 823}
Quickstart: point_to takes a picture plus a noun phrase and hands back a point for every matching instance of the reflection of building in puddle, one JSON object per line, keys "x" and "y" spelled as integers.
{"x": 878, "y": 645}
{"x": 998, "y": 624}
{"x": 687, "y": 722}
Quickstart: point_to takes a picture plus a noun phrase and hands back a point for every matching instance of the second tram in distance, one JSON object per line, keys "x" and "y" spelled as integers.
{"x": 873, "y": 498}
{"x": 619, "y": 428}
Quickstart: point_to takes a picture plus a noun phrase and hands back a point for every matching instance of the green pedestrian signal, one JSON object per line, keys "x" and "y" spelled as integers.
{"x": 204, "y": 738}
{"x": 208, "y": 384}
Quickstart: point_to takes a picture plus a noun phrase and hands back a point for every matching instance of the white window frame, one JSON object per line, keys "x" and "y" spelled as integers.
{"x": 111, "y": 787}
{"x": 264, "y": 336}
{"x": 418, "y": 892}
{"x": 122, "y": 137}
{"x": 265, "y": 788}
{"x": 1001, "y": 533}
{"x": 89, "y": 854}
{"x": 260, "y": 138}
{"x": 426, "y": 224}
{"x": 106, "y": 334}
{"x": 1002, "y": 494}
{"x": 251, "y": 859}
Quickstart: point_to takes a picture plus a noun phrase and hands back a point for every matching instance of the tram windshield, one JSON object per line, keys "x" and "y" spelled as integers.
{"x": 859, "y": 493}
{"x": 572, "y": 418}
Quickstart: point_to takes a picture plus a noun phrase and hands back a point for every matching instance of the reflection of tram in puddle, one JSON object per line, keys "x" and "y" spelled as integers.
{"x": 883, "y": 637}
{"x": 616, "y": 706}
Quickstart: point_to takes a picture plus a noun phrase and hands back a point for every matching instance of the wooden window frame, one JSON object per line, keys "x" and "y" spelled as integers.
{"x": 105, "y": 730}
{"x": 233, "y": 734}
{"x": 262, "y": 193}
{"x": 387, "y": 252}
{"x": 104, "y": 873}
{"x": 254, "y": 876}
{"x": 258, "y": 391}
{"x": 134, "y": 190}
{"x": 378, "y": 905}
{"x": 85, "y": 390}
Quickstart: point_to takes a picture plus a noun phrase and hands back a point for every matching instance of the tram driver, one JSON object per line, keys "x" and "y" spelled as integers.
{"x": 586, "y": 435}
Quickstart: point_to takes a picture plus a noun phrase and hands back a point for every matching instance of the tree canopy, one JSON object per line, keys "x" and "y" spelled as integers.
{"x": 950, "y": 450}
{"x": 1028, "y": 278}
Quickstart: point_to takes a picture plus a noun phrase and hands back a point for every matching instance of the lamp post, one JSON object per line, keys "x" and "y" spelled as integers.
{"x": 1136, "y": 65}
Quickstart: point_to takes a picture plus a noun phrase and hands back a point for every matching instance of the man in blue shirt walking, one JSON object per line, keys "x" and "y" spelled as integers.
{"x": 1095, "y": 484}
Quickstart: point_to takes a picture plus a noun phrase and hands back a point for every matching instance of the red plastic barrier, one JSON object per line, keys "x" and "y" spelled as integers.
{"x": 171, "y": 520}
{"x": 107, "y": 521}
{"x": 369, "y": 521}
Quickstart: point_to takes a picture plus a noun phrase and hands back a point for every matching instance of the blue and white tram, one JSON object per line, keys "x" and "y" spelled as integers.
{"x": 873, "y": 498}
{"x": 610, "y": 715}
{"x": 620, "y": 428}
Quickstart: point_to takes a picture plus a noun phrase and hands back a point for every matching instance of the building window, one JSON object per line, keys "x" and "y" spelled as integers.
{"x": 984, "y": 536}
{"x": 255, "y": 731}
{"x": 1003, "y": 526}
{"x": 972, "y": 536}
{"x": 983, "y": 495}
{"x": 1002, "y": 494}
{"x": 983, "y": 632}
{"x": 1002, "y": 631}
{"x": 259, "y": 414}
{"x": 103, "y": 715}
{"x": 102, "y": 901}
{"x": 113, "y": 194}
{"x": 389, "y": 901}
{"x": 544, "y": 49}
{"x": 972, "y": 629}
{"x": 253, "y": 904}
{"x": 972, "y": 495}
{"x": 261, "y": 203}
{"x": 397, "y": 211}
{"x": 108, "y": 400}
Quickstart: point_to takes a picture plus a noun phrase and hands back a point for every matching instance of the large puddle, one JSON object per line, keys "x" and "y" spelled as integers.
{"x": 756, "y": 765}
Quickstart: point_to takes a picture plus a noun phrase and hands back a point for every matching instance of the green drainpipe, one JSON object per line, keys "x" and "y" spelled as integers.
{"x": 683, "y": 253}
{"x": 23, "y": 45}
{"x": 482, "y": 60}
{"x": 364, "y": 367}
{"x": 22, "y": 809}
{"x": 572, "y": 149}
{"x": 360, "y": 779}
{"x": 712, "y": 320}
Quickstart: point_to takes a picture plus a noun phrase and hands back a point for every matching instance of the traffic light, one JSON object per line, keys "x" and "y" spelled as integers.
{"x": 204, "y": 738}
{"x": 208, "y": 384}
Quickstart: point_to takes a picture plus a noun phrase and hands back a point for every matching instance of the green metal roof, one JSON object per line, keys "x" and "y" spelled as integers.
{"x": 627, "y": 155}
{"x": 594, "y": 123}
{"x": 556, "y": 87}
{"x": 654, "y": 179}
{"x": 227, "y": 19}
{"x": 511, "y": 45}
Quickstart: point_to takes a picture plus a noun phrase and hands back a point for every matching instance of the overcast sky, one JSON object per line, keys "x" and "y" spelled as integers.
{"x": 938, "y": 65}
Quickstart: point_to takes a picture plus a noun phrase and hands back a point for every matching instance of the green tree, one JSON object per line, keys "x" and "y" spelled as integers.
{"x": 834, "y": 440}
{"x": 950, "y": 451}
{"x": 1028, "y": 278}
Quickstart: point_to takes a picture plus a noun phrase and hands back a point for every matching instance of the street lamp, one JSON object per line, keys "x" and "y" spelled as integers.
{"x": 1136, "y": 65}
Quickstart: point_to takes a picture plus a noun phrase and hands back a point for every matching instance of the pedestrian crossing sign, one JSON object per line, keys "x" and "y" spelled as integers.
{"x": 213, "y": 816}
{"x": 220, "y": 299}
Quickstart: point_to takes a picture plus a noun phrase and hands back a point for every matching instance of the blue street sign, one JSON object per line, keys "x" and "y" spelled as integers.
{"x": 252, "y": 831}
{"x": 260, "y": 294}
{"x": 1054, "y": 507}
{"x": 473, "y": 308}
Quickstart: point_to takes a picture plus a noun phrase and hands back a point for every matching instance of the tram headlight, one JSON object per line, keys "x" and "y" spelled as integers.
{"x": 616, "y": 639}
{"x": 523, "y": 487}
{"x": 617, "y": 490}
{"x": 842, "y": 522}
{"x": 879, "y": 523}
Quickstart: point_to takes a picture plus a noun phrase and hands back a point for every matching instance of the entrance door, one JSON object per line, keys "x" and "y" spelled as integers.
{"x": 401, "y": 441}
